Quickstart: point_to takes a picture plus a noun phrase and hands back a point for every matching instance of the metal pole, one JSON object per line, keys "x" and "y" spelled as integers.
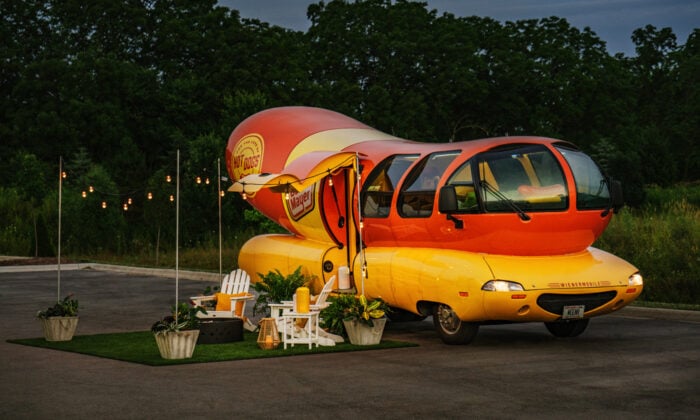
{"x": 60, "y": 192}
{"x": 363, "y": 269}
{"x": 218, "y": 194}
{"x": 177, "y": 234}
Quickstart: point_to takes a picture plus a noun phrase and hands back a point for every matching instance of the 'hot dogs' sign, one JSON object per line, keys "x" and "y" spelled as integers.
{"x": 246, "y": 158}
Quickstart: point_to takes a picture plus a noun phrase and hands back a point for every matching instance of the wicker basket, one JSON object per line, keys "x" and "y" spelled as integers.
{"x": 268, "y": 337}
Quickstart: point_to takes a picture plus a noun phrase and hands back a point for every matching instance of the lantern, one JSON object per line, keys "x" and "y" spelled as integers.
{"x": 268, "y": 337}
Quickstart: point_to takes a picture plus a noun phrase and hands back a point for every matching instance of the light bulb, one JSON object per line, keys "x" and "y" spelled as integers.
{"x": 84, "y": 194}
{"x": 104, "y": 204}
{"x": 150, "y": 196}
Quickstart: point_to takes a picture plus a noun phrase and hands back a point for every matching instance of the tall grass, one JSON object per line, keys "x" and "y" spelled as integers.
{"x": 663, "y": 241}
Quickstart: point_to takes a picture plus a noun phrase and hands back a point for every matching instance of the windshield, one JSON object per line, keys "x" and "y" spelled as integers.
{"x": 521, "y": 177}
{"x": 591, "y": 186}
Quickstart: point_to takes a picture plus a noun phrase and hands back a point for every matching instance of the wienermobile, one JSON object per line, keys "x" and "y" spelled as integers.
{"x": 475, "y": 232}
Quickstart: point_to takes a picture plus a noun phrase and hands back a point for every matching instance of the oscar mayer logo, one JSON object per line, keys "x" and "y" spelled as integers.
{"x": 301, "y": 203}
{"x": 247, "y": 156}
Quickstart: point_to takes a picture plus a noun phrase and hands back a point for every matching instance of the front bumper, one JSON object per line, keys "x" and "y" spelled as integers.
{"x": 548, "y": 305}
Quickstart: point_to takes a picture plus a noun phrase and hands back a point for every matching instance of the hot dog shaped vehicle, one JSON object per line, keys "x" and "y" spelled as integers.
{"x": 475, "y": 232}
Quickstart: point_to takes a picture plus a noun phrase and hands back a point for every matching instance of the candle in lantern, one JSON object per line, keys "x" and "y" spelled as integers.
{"x": 268, "y": 339}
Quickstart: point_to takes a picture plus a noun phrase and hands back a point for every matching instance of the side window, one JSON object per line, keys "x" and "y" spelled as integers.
{"x": 417, "y": 194}
{"x": 463, "y": 182}
{"x": 381, "y": 183}
{"x": 591, "y": 186}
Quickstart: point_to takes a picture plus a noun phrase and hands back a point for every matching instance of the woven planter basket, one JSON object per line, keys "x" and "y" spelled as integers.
{"x": 59, "y": 328}
{"x": 362, "y": 334}
{"x": 177, "y": 344}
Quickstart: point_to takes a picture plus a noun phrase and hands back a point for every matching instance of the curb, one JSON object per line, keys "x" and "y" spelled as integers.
{"x": 659, "y": 313}
{"x": 143, "y": 271}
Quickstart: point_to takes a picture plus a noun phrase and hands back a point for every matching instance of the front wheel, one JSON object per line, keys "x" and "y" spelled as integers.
{"x": 450, "y": 328}
{"x": 567, "y": 329}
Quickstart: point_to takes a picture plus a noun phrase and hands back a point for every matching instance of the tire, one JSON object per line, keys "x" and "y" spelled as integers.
{"x": 400, "y": 315}
{"x": 567, "y": 329}
{"x": 450, "y": 328}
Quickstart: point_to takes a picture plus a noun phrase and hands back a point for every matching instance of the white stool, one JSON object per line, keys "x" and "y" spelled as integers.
{"x": 311, "y": 328}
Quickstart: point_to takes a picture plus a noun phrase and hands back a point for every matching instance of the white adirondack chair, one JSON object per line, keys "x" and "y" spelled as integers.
{"x": 234, "y": 287}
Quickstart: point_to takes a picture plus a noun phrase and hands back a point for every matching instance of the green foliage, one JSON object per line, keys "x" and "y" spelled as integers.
{"x": 274, "y": 287}
{"x": 663, "y": 240}
{"x": 15, "y": 229}
{"x": 66, "y": 307}
{"x": 350, "y": 307}
{"x": 184, "y": 319}
{"x": 261, "y": 223}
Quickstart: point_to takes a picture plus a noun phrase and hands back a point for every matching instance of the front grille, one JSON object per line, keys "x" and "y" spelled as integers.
{"x": 554, "y": 303}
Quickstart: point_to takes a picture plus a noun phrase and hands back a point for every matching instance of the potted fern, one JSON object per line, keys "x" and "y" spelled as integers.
{"x": 60, "y": 321}
{"x": 274, "y": 287}
{"x": 176, "y": 335}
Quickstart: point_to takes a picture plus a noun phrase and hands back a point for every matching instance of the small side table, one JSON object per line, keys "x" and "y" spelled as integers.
{"x": 311, "y": 328}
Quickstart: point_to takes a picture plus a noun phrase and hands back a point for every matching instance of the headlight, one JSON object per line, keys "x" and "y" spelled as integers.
{"x": 502, "y": 286}
{"x": 635, "y": 280}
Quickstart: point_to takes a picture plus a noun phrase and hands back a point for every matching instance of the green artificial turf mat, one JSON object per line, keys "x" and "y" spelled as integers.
{"x": 140, "y": 347}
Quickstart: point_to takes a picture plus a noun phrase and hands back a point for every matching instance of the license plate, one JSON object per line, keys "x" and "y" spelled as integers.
{"x": 573, "y": 312}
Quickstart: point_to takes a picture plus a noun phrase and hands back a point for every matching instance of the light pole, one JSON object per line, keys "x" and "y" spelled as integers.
{"x": 60, "y": 192}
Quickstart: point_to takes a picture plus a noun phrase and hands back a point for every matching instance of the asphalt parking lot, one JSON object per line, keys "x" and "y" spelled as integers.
{"x": 638, "y": 363}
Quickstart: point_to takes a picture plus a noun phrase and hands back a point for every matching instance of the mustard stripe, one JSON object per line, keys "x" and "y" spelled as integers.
{"x": 336, "y": 139}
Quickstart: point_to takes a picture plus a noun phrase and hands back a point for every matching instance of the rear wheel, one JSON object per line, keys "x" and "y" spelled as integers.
{"x": 568, "y": 328}
{"x": 450, "y": 328}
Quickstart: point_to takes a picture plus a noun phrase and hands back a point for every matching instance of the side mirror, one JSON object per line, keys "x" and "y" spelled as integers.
{"x": 447, "y": 204}
{"x": 616, "y": 198}
{"x": 447, "y": 201}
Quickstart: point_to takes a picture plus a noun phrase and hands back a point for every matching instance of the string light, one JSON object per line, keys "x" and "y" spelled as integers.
{"x": 150, "y": 196}
{"x": 129, "y": 201}
{"x": 168, "y": 178}
{"x": 84, "y": 194}
{"x": 206, "y": 181}
{"x": 245, "y": 196}
{"x": 221, "y": 192}
{"x": 126, "y": 207}
{"x": 104, "y": 204}
{"x": 91, "y": 189}
{"x": 172, "y": 197}
{"x": 198, "y": 180}
{"x": 63, "y": 175}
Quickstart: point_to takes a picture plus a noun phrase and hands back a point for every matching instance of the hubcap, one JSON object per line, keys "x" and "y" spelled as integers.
{"x": 448, "y": 320}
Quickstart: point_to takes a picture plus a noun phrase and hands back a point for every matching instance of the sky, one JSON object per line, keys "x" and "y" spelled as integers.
{"x": 612, "y": 20}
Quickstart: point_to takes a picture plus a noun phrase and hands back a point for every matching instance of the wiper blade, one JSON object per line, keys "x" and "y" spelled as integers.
{"x": 504, "y": 199}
